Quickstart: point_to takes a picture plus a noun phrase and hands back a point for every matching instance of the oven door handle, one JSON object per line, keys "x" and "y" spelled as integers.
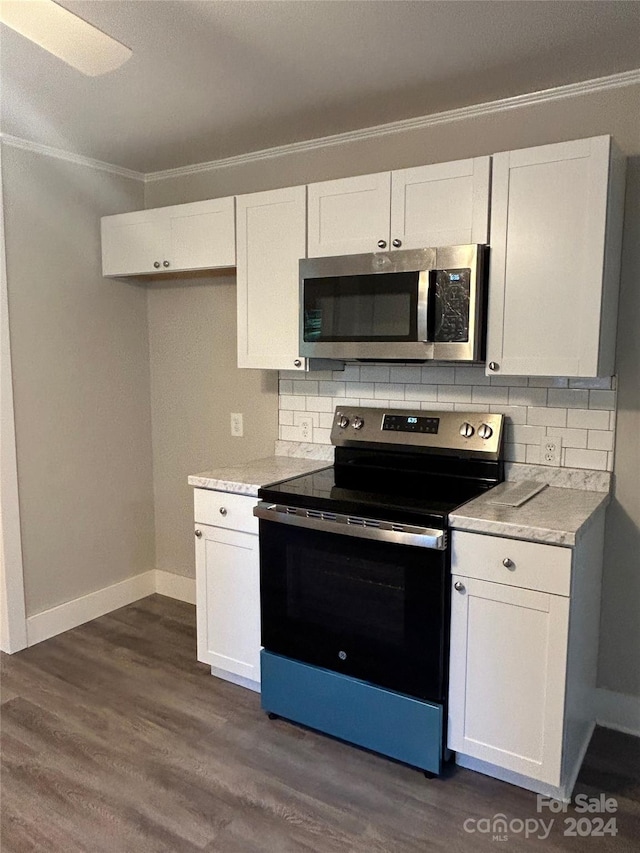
{"x": 351, "y": 525}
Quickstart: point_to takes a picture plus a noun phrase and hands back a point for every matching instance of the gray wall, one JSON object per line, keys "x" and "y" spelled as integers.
{"x": 612, "y": 112}
{"x": 80, "y": 357}
{"x": 195, "y": 385}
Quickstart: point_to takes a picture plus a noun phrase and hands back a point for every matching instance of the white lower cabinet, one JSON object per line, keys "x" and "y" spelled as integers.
{"x": 524, "y": 638}
{"x": 228, "y": 586}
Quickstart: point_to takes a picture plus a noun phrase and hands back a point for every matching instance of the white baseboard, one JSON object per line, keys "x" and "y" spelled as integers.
{"x": 56, "y": 620}
{"x": 176, "y": 586}
{"x": 617, "y": 711}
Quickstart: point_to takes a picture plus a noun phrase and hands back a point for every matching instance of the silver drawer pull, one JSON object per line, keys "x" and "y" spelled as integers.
{"x": 507, "y": 563}
{"x": 458, "y": 586}
{"x": 222, "y": 510}
{"x": 199, "y": 534}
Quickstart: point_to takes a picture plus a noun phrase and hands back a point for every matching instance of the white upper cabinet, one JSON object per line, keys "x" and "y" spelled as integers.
{"x": 271, "y": 230}
{"x": 195, "y": 236}
{"x": 438, "y": 205}
{"x": 446, "y": 204}
{"x": 556, "y": 226}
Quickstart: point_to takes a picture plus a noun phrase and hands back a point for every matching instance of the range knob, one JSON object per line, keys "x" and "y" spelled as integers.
{"x": 358, "y": 423}
{"x": 343, "y": 421}
{"x": 485, "y": 431}
{"x": 466, "y": 430}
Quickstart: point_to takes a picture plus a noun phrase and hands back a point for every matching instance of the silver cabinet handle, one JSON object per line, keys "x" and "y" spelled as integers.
{"x": 507, "y": 563}
{"x": 493, "y": 365}
{"x": 156, "y": 264}
{"x": 222, "y": 510}
{"x": 397, "y": 243}
{"x": 297, "y": 362}
{"x": 199, "y": 534}
{"x": 165, "y": 263}
{"x": 382, "y": 244}
{"x": 458, "y": 586}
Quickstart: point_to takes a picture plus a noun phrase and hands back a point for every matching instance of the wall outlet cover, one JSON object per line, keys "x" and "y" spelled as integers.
{"x": 237, "y": 427}
{"x": 305, "y": 425}
{"x": 550, "y": 450}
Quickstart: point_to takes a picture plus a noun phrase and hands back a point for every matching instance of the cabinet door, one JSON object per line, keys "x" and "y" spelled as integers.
{"x": 548, "y": 227}
{"x": 201, "y": 235}
{"x": 507, "y": 677}
{"x": 228, "y": 601}
{"x": 446, "y": 204}
{"x": 349, "y": 216}
{"x": 271, "y": 229}
{"x": 132, "y": 243}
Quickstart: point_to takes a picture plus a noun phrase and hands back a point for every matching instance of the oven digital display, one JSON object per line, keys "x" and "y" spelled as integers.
{"x": 410, "y": 423}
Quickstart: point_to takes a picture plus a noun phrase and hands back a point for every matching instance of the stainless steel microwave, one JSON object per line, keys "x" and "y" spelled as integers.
{"x": 412, "y": 305}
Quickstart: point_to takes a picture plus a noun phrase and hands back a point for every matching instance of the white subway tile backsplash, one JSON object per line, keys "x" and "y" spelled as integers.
{"x": 421, "y": 392}
{"x": 548, "y": 382}
{"x": 547, "y": 417}
{"x": 405, "y": 373}
{"x": 570, "y": 437}
{"x": 515, "y": 414}
{"x": 524, "y": 434}
{"x": 360, "y": 389}
{"x": 588, "y": 419}
{"x": 319, "y": 404}
{"x": 527, "y": 396}
{"x": 332, "y": 389}
{"x": 488, "y": 394}
{"x": 600, "y": 439}
{"x": 388, "y": 391}
{"x": 509, "y": 381}
{"x": 602, "y": 400}
{"x": 515, "y": 452}
{"x": 454, "y": 393}
{"x": 567, "y": 399}
{"x": 351, "y": 373}
{"x": 305, "y": 386}
{"x": 292, "y": 402}
{"x": 438, "y": 375}
{"x": 325, "y": 420}
{"x": 595, "y": 459}
{"x": 374, "y": 373}
{"x": 605, "y": 383}
{"x": 471, "y": 376}
{"x": 580, "y": 412}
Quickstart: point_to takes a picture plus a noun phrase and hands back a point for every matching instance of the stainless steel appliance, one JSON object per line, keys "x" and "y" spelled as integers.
{"x": 355, "y": 577}
{"x": 409, "y": 305}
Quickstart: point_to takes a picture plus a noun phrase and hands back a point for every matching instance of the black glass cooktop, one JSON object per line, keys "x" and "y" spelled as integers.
{"x": 407, "y": 496}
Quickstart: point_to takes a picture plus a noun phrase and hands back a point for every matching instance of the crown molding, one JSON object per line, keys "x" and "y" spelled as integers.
{"x": 70, "y": 157}
{"x": 586, "y": 87}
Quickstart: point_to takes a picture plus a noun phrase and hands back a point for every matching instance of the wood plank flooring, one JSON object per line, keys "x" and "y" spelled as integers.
{"x": 115, "y": 739}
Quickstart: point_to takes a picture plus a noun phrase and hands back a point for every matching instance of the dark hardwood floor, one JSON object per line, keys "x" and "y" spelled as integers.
{"x": 115, "y": 739}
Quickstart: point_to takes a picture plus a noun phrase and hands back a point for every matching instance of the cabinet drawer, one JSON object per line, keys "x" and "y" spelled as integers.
{"x": 530, "y": 565}
{"x": 223, "y": 509}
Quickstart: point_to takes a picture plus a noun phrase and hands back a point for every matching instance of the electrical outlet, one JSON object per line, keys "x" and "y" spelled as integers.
{"x": 236, "y": 425}
{"x": 305, "y": 426}
{"x": 550, "y": 447}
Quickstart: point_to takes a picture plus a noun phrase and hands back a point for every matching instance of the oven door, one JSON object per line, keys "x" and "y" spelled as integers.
{"x": 371, "y": 608}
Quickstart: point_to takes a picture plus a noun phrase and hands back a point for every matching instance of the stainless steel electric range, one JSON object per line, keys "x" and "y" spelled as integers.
{"x": 355, "y": 577}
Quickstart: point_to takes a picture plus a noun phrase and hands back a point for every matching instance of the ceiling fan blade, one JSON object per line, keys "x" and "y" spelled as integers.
{"x": 65, "y": 35}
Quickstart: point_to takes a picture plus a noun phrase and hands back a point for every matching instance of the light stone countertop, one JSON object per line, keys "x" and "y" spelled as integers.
{"x": 554, "y": 516}
{"x": 247, "y": 478}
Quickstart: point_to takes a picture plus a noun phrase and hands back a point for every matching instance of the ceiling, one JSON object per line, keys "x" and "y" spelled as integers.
{"x": 211, "y": 79}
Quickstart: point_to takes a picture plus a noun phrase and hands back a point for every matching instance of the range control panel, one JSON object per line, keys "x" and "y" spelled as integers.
{"x": 473, "y": 432}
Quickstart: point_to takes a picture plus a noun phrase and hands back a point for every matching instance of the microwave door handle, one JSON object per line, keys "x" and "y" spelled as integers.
{"x": 424, "y": 300}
